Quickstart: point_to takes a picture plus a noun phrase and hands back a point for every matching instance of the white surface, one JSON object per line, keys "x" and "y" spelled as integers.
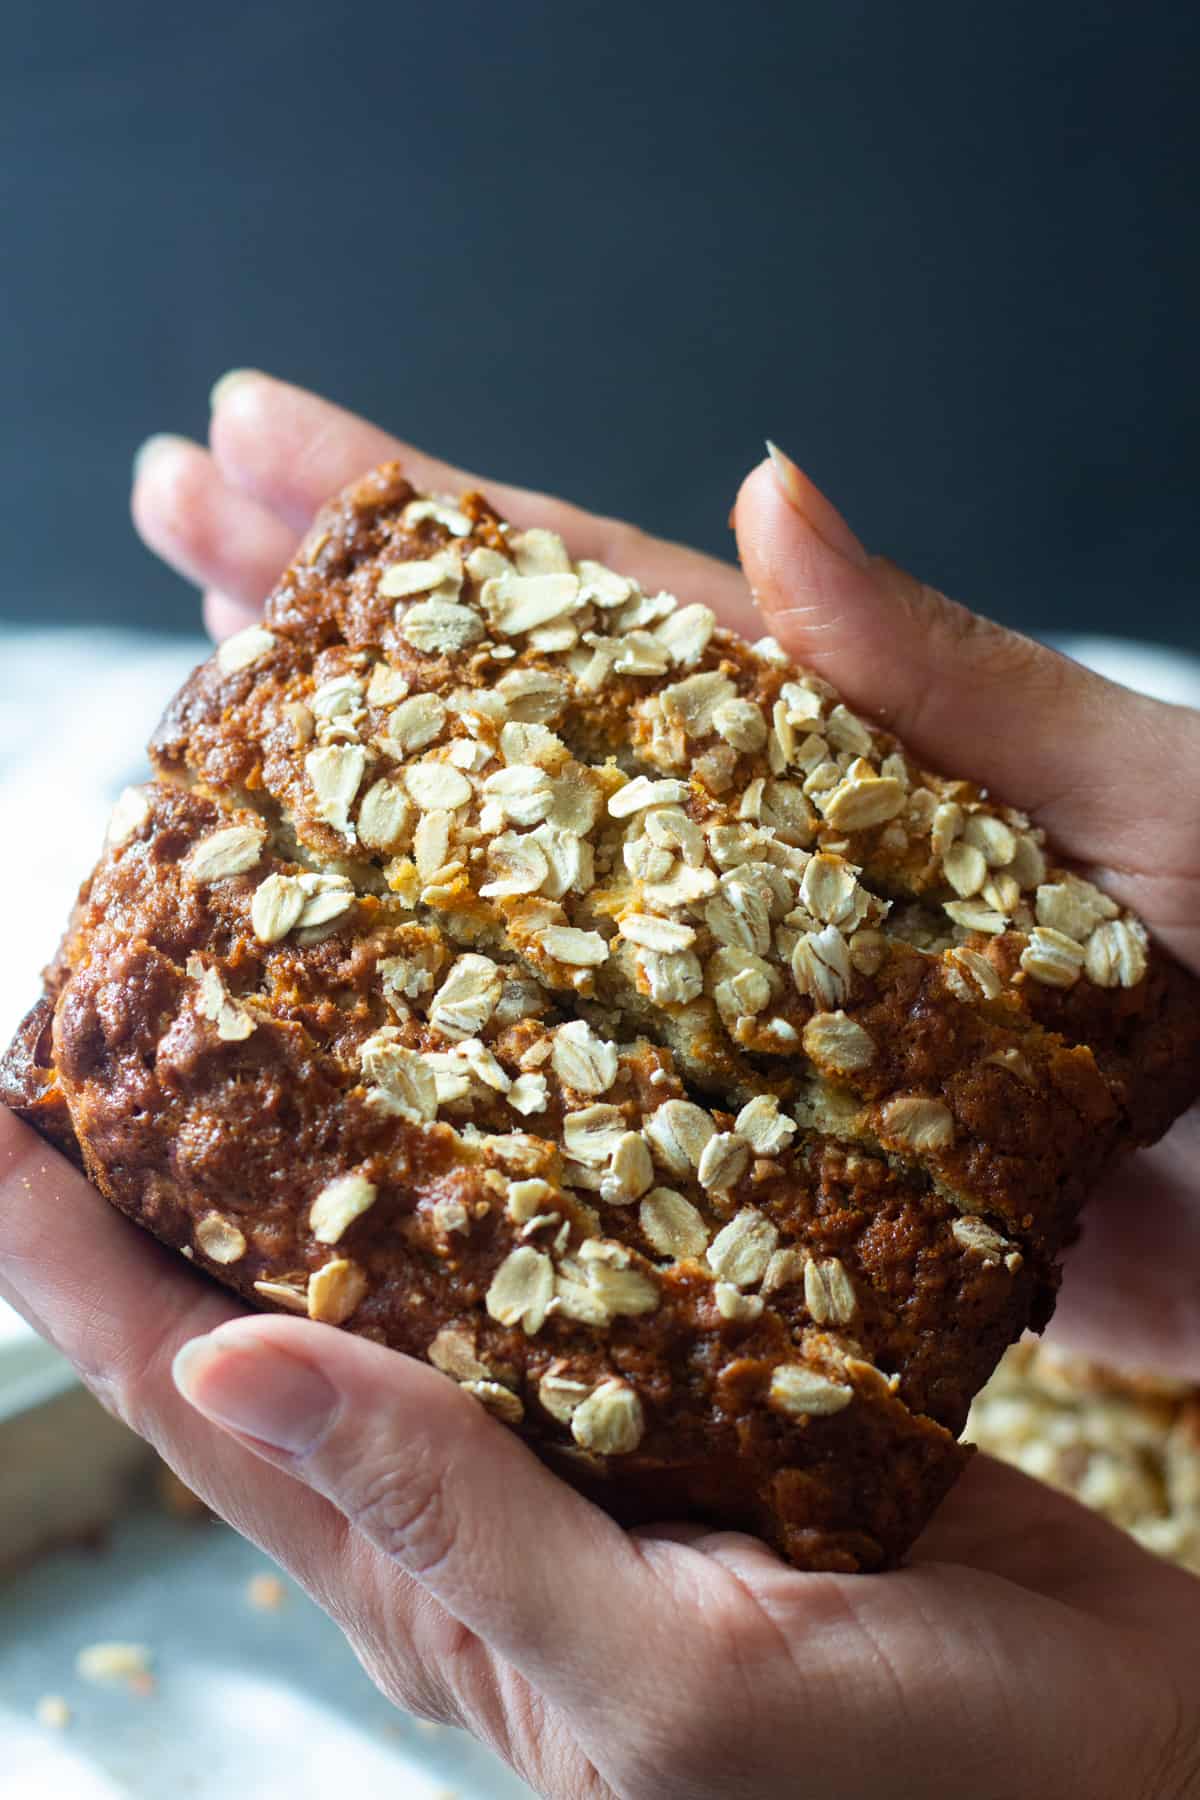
{"x": 265, "y": 1704}
{"x": 76, "y": 710}
{"x": 1150, "y": 668}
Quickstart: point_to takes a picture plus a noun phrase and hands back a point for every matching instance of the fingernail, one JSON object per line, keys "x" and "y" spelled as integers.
{"x": 814, "y": 508}
{"x": 145, "y": 453}
{"x": 257, "y": 1389}
{"x": 224, "y": 385}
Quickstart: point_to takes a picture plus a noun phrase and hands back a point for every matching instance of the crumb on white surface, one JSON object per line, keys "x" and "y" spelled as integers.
{"x": 52, "y": 1710}
{"x": 266, "y": 1593}
{"x": 114, "y": 1662}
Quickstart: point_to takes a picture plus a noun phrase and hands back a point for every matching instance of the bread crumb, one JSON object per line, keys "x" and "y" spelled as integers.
{"x": 266, "y": 1593}
{"x": 52, "y": 1710}
{"x": 113, "y": 1662}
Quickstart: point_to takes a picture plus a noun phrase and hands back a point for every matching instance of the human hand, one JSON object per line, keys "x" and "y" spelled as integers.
{"x": 474, "y": 1586}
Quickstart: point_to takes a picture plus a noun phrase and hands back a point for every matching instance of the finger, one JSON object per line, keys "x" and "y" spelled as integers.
{"x": 541, "y": 1576}
{"x": 224, "y": 615}
{"x": 1100, "y": 767}
{"x": 1130, "y": 1298}
{"x": 291, "y": 451}
{"x": 734, "y": 1550}
{"x": 213, "y": 534}
{"x": 1002, "y": 1522}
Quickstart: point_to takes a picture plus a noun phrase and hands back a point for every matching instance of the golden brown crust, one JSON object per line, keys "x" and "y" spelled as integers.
{"x": 520, "y": 971}
{"x": 28, "y": 1083}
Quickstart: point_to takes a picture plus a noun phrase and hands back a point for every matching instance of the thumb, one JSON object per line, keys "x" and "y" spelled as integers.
{"x": 1100, "y": 767}
{"x": 544, "y": 1578}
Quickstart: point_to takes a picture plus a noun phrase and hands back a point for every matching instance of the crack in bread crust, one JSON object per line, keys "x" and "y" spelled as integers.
{"x": 515, "y": 968}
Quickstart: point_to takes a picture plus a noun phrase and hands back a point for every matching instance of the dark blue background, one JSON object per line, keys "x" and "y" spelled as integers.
{"x": 945, "y": 253}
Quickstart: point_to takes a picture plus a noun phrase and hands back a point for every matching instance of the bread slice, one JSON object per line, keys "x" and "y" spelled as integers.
{"x": 519, "y": 970}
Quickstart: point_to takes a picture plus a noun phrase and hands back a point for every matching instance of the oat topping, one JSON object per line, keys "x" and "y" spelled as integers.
{"x": 610, "y": 1421}
{"x": 244, "y": 649}
{"x": 972, "y": 975}
{"x": 220, "y": 1239}
{"x": 290, "y": 1295}
{"x": 581, "y": 949}
{"x": 130, "y": 813}
{"x": 283, "y": 902}
{"x": 1052, "y": 957}
{"x": 630, "y": 1171}
{"x": 829, "y": 1292}
{"x": 973, "y": 1235}
{"x": 723, "y": 1161}
{"x": 442, "y": 512}
{"x": 231, "y": 851}
{"x": 335, "y": 1291}
{"x": 441, "y": 627}
{"x": 522, "y": 1289}
{"x": 500, "y": 1401}
{"x": 836, "y": 1042}
{"x": 467, "y": 997}
{"x": 761, "y": 1124}
{"x": 592, "y": 1134}
{"x": 336, "y": 772}
{"x": 673, "y": 1225}
{"x": 679, "y": 1133}
{"x": 739, "y": 1308}
{"x": 384, "y": 816}
{"x": 234, "y": 1024}
{"x": 742, "y": 1249}
{"x": 561, "y": 1395}
{"x": 582, "y": 1060}
{"x": 821, "y": 966}
{"x": 338, "y": 1205}
{"x": 976, "y": 915}
{"x": 919, "y": 1124}
{"x": 398, "y": 1080}
{"x": 453, "y": 1352}
{"x": 599, "y": 1285}
{"x": 632, "y": 966}
{"x": 804, "y": 1393}
{"x": 1116, "y": 953}
{"x": 529, "y": 1093}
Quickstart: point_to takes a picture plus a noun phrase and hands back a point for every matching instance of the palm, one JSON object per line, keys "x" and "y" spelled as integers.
{"x": 676, "y": 1663}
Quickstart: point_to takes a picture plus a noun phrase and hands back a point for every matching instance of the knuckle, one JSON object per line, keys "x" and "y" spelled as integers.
{"x": 963, "y": 643}
{"x": 1007, "y": 658}
{"x": 403, "y": 1506}
{"x": 119, "y": 1387}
